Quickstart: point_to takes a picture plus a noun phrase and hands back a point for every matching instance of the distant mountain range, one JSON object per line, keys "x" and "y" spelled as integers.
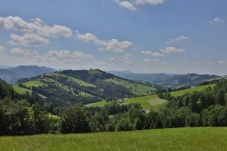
{"x": 167, "y": 80}
{"x": 13, "y": 74}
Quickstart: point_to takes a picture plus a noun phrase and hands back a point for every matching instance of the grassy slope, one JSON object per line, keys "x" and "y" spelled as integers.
{"x": 190, "y": 90}
{"x": 99, "y": 104}
{"x": 138, "y": 89}
{"x": 78, "y": 81}
{"x": 194, "y": 139}
{"x": 148, "y": 102}
{"x": 34, "y": 83}
{"x": 21, "y": 90}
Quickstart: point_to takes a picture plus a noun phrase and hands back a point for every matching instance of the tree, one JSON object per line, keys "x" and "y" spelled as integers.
{"x": 40, "y": 119}
{"x": 220, "y": 97}
{"x": 222, "y": 117}
{"x": 74, "y": 120}
{"x": 193, "y": 119}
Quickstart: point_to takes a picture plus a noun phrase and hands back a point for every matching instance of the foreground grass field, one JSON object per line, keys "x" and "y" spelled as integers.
{"x": 185, "y": 139}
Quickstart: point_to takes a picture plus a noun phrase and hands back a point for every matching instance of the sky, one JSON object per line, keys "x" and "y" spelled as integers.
{"x": 142, "y": 36}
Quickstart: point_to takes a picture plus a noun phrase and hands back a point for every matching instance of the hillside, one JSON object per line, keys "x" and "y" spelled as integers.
{"x": 167, "y": 80}
{"x": 13, "y": 74}
{"x": 82, "y": 86}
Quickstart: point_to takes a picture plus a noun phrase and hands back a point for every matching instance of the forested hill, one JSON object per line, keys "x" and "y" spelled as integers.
{"x": 167, "y": 80}
{"x": 81, "y": 86}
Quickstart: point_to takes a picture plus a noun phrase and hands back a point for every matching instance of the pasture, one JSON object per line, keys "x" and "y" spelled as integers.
{"x": 190, "y": 139}
{"x": 136, "y": 88}
{"x": 21, "y": 90}
{"x": 146, "y": 102}
{"x": 99, "y": 104}
{"x": 190, "y": 90}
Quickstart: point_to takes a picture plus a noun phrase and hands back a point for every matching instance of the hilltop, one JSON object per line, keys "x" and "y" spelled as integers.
{"x": 82, "y": 86}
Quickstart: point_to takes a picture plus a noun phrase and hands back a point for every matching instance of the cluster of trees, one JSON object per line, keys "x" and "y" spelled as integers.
{"x": 205, "y": 108}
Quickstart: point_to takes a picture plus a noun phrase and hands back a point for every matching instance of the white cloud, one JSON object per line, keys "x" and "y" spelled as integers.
{"x": 67, "y": 54}
{"x": 176, "y": 40}
{"x": 128, "y": 58}
{"x": 86, "y": 37}
{"x": 128, "y": 5}
{"x": 131, "y": 4}
{"x": 109, "y": 45}
{"x": 221, "y": 62}
{"x": 100, "y": 63}
{"x": 114, "y": 45}
{"x": 217, "y": 20}
{"x": 63, "y": 59}
{"x": 37, "y": 27}
{"x": 111, "y": 58}
{"x": 209, "y": 63}
{"x": 154, "y": 61}
{"x": 30, "y": 40}
{"x": 150, "y": 2}
{"x": 185, "y": 61}
{"x": 2, "y": 49}
{"x": 154, "y": 54}
{"x": 18, "y": 51}
{"x": 172, "y": 50}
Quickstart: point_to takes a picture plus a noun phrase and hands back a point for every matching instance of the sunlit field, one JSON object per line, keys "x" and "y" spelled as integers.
{"x": 159, "y": 139}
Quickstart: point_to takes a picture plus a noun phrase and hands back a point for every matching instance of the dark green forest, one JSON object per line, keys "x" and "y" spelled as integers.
{"x": 30, "y": 114}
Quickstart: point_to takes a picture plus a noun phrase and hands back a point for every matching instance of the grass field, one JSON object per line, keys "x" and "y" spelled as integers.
{"x": 138, "y": 89}
{"x": 190, "y": 90}
{"x": 21, "y": 90}
{"x": 148, "y": 102}
{"x": 184, "y": 139}
{"x": 99, "y": 104}
{"x": 34, "y": 83}
{"x": 78, "y": 81}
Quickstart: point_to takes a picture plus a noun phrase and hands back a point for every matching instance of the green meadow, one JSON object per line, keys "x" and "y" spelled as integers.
{"x": 148, "y": 102}
{"x": 99, "y": 104}
{"x": 178, "y": 139}
{"x": 190, "y": 90}
{"x": 21, "y": 90}
{"x": 35, "y": 83}
{"x": 136, "y": 88}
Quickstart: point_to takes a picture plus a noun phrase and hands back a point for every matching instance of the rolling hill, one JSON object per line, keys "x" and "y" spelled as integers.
{"x": 82, "y": 86}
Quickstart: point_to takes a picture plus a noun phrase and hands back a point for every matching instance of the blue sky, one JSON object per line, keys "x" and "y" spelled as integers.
{"x": 151, "y": 36}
